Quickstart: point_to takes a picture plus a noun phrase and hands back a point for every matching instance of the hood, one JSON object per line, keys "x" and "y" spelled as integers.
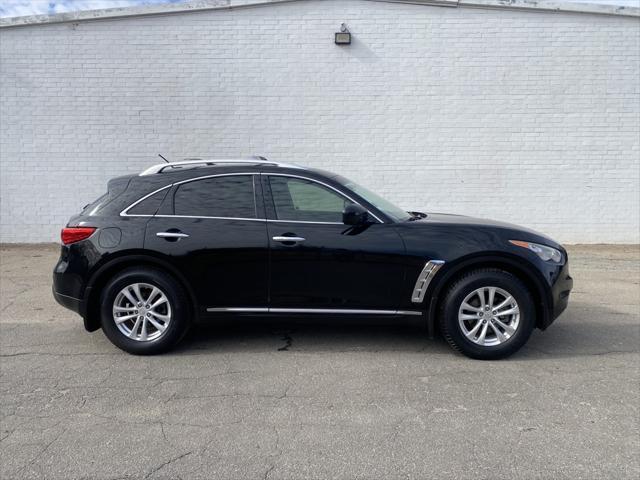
{"x": 513, "y": 230}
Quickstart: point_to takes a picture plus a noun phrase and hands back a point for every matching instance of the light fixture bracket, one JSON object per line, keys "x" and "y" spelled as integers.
{"x": 343, "y": 37}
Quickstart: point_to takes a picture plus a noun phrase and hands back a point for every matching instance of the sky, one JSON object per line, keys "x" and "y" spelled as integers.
{"x": 18, "y": 8}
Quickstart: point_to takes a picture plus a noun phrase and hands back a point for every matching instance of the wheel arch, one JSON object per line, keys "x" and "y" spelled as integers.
{"x": 116, "y": 264}
{"x": 524, "y": 271}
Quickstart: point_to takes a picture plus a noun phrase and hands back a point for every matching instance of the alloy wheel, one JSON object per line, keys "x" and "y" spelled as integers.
{"x": 489, "y": 316}
{"x": 142, "y": 312}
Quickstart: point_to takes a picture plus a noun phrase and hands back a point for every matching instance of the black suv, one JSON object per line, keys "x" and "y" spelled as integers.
{"x": 188, "y": 241}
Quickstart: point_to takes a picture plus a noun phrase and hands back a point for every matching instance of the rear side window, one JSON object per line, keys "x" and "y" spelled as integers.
{"x": 230, "y": 196}
{"x": 150, "y": 205}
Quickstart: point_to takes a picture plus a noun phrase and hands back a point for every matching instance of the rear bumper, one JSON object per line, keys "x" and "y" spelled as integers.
{"x": 76, "y": 305}
{"x": 67, "y": 286}
{"x": 72, "y": 303}
{"x": 69, "y": 290}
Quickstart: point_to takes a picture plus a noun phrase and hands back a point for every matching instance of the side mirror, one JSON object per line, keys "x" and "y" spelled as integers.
{"x": 354, "y": 214}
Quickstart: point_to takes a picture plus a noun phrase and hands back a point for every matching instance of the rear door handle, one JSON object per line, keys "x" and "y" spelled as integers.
{"x": 171, "y": 235}
{"x": 288, "y": 239}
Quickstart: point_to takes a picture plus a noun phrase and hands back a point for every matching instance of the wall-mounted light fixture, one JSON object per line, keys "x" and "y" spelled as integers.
{"x": 343, "y": 37}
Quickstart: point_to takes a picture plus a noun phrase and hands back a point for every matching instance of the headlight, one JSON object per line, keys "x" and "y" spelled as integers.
{"x": 545, "y": 253}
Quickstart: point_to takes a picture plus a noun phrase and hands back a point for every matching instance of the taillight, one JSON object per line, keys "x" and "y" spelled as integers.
{"x": 75, "y": 234}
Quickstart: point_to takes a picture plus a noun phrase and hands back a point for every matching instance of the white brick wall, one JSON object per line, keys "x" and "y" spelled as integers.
{"x": 522, "y": 116}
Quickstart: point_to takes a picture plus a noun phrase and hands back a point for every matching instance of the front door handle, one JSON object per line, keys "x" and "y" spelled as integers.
{"x": 172, "y": 235}
{"x": 288, "y": 239}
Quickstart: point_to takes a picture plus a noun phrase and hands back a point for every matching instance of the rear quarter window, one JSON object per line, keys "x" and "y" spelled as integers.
{"x": 150, "y": 205}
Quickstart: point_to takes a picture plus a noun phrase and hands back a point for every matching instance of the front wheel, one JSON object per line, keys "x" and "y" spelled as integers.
{"x": 144, "y": 311}
{"x": 488, "y": 314}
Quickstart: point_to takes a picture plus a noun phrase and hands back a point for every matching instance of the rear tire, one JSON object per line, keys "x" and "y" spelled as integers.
{"x": 487, "y": 314}
{"x": 144, "y": 311}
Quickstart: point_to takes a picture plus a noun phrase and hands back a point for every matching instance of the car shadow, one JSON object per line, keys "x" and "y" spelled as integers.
{"x": 584, "y": 329}
{"x": 308, "y": 335}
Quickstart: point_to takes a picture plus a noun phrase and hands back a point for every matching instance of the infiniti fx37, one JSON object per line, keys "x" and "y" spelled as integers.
{"x": 185, "y": 242}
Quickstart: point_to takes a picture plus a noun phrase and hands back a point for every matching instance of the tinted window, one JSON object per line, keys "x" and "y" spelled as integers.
{"x": 150, "y": 205}
{"x": 396, "y": 213}
{"x": 93, "y": 207}
{"x": 303, "y": 200}
{"x": 230, "y": 196}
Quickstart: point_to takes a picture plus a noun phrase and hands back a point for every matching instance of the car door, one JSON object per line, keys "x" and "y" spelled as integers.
{"x": 318, "y": 263}
{"x": 213, "y": 231}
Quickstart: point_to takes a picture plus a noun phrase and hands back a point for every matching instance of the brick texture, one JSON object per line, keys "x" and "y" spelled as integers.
{"x": 532, "y": 118}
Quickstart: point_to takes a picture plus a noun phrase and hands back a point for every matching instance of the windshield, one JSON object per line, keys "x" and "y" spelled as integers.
{"x": 396, "y": 213}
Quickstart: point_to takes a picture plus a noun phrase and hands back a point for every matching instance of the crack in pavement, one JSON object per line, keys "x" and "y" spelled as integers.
{"x": 288, "y": 340}
{"x": 271, "y": 415}
{"x": 42, "y": 452}
{"x": 168, "y": 462}
{"x": 274, "y": 457}
{"x": 581, "y": 354}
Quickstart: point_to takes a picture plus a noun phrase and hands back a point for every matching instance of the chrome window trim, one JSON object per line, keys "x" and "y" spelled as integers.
{"x": 424, "y": 279}
{"x": 124, "y": 213}
{"x": 212, "y": 218}
{"x": 203, "y": 177}
{"x": 325, "y": 185}
{"x": 305, "y": 221}
{"x": 313, "y": 310}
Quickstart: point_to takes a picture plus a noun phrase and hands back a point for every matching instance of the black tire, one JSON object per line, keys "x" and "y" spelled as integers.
{"x": 177, "y": 299}
{"x": 464, "y": 286}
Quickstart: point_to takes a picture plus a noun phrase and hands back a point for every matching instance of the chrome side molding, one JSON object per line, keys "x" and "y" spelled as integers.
{"x": 313, "y": 310}
{"x": 424, "y": 279}
{"x": 240, "y": 309}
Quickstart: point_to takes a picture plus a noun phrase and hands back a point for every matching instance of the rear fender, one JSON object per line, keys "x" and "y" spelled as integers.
{"x": 126, "y": 259}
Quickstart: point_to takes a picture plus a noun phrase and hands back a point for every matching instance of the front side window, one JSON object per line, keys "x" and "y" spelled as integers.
{"x": 229, "y": 196}
{"x": 396, "y": 213}
{"x": 296, "y": 199}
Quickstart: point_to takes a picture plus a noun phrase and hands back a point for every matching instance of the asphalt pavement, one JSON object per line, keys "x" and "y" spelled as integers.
{"x": 283, "y": 400}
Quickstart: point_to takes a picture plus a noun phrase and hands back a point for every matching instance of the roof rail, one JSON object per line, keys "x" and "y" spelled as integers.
{"x": 257, "y": 160}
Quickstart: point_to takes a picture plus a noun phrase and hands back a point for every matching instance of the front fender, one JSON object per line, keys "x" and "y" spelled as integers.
{"x": 527, "y": 272}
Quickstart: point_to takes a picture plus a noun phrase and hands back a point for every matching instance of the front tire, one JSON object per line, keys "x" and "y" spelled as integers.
{"x": 487, "y": 314}
{"x": 144, "y": 311}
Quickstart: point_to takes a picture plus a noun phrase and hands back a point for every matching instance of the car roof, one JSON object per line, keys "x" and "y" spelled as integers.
{"x": 201, "y": 163}
{"x": 177, "y": 171}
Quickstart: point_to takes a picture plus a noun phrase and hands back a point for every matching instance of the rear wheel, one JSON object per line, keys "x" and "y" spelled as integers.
{"x": 488, "y": 314}
{"x": 144, "y": 311}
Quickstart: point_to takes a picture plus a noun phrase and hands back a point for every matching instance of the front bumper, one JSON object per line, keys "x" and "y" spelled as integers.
{"x": 560, "y": 294}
